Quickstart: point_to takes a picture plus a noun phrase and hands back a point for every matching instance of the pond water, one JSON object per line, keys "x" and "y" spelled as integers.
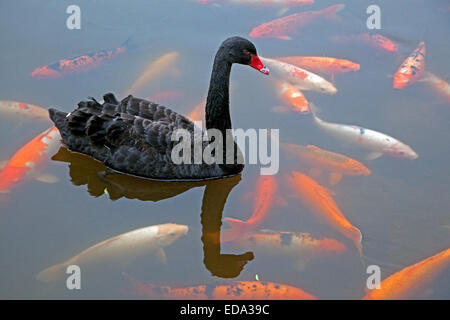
{"x": 401, "y": 208}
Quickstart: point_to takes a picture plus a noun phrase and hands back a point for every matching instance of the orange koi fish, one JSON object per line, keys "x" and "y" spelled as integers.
{"x": 23, "y": 109}
{"x": 412, "y": 281}
{"x": 164, "y": 96}
{"x": 322, "y": 65}
{"x": 293, "y": 98}
{"x": 78, "y": 64}
{"x": 438, "y": 85}
{"x": 411, "y": 69}
{"x": 376, "y": 41}
{"x": 323, "y": 160}
{"x": 300, "y": 246}
{"x": 265, "y": 195}
{"x": 236, "y": 290}
{"x": 282, "y": 27}
{"x": 29, "y": 159}
{"x": 319, "y": 200}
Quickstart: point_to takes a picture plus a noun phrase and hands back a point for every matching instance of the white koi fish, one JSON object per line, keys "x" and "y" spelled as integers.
{"x": 300, "y": 78}
{"x": 123, "y": 247}
{"x": 376, "y": 142}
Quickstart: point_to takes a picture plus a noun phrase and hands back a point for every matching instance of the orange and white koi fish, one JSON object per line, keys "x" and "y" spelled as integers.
{"x": 292, "y": 98}
{"x": 300, "y": 246}
{"x": 164, "y": 96}
{"x": 376, "y": 41}
{"x": 23, "y": 109}
{"x": 411, "y": 69}
{"x": 438, "y": 85}
{"x": 29, "y": 160}
{"x": 319, "y": 200}
{"x": 78, "y": 64}
{"x": 265, "y": 196}
{"x": 411, "y": 282}
{"x": 154, "y": 69}
{"x": 281, "y": 28}
{"x": 323, "y": 160}
{"x": 300, "y": 78}
{"x": 376, "y": 142}
{"x": 322, "y": 65}
{"x": 123, "y": 247}
{"x": 236, "y": 290}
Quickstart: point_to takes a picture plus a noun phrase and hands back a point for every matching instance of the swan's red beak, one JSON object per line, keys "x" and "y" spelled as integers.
{"x": 258, "y": 65}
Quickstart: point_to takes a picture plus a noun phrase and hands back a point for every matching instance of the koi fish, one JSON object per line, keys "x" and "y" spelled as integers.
{"x": 198, "y": 112}
{"x": 411, "y": 69}
{"x": 376, "y": 41}
{"x": 78, "y": 64}
{"x": 265, "y": 196}
{"x": 322, "y": 65}
{"x": 285, "y": 3}
{"x": 300, "y": 78}
{"x": 23, "y": 109}
{"x": 164, "y": 96}
{"x": 298, "y": 245}
{"x": 376, "y": 142}
{"x": 438, "y": 85}
{"x": 411, "y": 281}
{"x": 121, "y": 248}
{"x": 282, "y": 27}
{"x": 319, "y": 159}
{"x": 319, "y": 200}
{"x": 154, "y": 69}
{"x": 29, "y": 160}
{"x": 293, "y": 98}
{"x": 236, "y": 290}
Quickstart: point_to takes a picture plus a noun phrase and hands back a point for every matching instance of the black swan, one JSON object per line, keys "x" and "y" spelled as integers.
{"x": 133, "y": 136}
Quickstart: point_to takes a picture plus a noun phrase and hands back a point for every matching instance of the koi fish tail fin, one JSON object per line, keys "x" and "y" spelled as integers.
{"x": 238, "y": 229}
{"x": 59, "y": 119}
{"x": 331, "y": 12}
{"x": 52, "y": 274}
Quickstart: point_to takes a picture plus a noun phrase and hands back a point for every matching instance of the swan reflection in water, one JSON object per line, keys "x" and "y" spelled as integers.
{"x": 84, "y": 170}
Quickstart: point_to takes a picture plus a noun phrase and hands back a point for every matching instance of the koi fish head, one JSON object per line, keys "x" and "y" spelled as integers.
{"x": 347, "y": 66}
{"x": 326, "y": 87}
{"x": 242, "y": 51}
{"x": 357, "y": 168}
{"x": 401, "y": 150}
{"x": 170, "y": 232}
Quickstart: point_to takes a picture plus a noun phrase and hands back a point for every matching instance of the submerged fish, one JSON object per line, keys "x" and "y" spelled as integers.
{"x": 438, "y": 85}
{"x": 281, "y": 28}
{"x": 411, "y": 69}
{"x": 411, "y": 282}
{"x": 120, "y": 248}
{"x": 77, "y": 64}
{"x": 292, "y": 97}
{"x": 323, "y": 160}
{"x": 236, "y": 290}
{"x": 154, "y": 69}
{"x": 265, "y": 196}
{"x": 23, "y": 109}
{"x": 322, "y": 65}
{"x": 299, "y": 246}
{"x": 376, "y": 142}
{"x": 284, "y": 3}
{"x": 28, "y": 161}
{"x": 300, "y": 78}
{"x": 319, "y": 200}
{"x": 376, "y": 41}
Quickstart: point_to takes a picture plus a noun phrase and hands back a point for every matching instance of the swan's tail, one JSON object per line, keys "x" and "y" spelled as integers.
{"x": 52, "y": 274}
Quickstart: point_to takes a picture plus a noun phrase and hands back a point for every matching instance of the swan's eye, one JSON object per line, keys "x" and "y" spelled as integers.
{"x": 245, "y": 51}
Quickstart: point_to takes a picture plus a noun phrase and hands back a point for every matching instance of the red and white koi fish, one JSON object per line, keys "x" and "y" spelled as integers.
{"x": 29, "y": 160}
{"x": 300, "y": 78}
{"x": 376, "y": 142}
{"x": 438, "y": 85}
{"x": 292, "y": 98}
{"x": 123, "y": 247}
{"x": 411, "y": 69}
{"x": 23, "y": 109}
{"x": 281, "y": 28}
{"x": 376, "y": 41}
{"x": 77, "y": 64}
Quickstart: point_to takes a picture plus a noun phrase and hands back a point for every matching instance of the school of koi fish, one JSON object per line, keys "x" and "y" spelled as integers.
{"x": 293, "y": 77}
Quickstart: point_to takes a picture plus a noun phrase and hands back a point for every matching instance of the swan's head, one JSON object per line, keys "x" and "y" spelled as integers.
{"x": 242, "y": 51}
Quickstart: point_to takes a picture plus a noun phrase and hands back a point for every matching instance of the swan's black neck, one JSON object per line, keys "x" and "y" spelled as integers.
{"x": 218, "y": 101}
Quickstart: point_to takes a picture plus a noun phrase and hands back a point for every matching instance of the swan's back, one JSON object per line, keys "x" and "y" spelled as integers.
{"x": 133, "y": 136}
